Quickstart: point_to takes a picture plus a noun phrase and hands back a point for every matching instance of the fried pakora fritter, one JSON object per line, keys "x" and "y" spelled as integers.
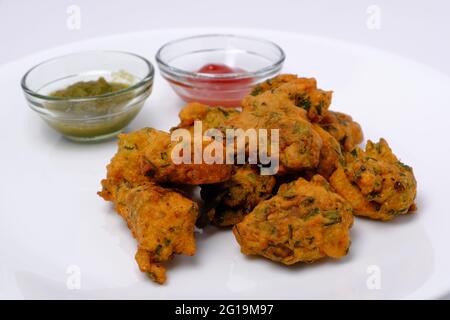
{"x": 342, "y": 127}
{"x": 227, "y": 203}
{"x": 376, "y": 183}
{"x": 299, "y": 144}
{"x": 125, "y": 167}
{"x": 315, "y": 101}
{"x": 145, "y": 155}
{"x": 211, "y": 117}
{"x": 304, "y": 222}
{"x": 272, "y": 83}
{"x": 303, "y": 92}
{"x": 162, "y": 221}
{"x": 330, "y": 155}
{"x": 157, "y": 164}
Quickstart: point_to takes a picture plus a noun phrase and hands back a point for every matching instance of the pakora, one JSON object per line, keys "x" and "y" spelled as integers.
{"x": 211, "y": 117}
{"x": 304, "y": 222}
{"x": 157, "y": 163}
{"x": 162, "y": 221}
{"x": 145, "y": 155}
{"x": 330, "y": 154}
{"x": 376, "y": 183}
{"x": 228, "y": 202}
{"x": 299, "y": 144}
{"x": 303, "y": 92}
{"x": 272, "y": 83}
{"x": 342, "y": 127}
{"x": 125, "y": 167}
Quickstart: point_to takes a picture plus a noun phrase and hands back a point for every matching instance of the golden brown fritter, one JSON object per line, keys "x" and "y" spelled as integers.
{"x": 211, "y": 117}
{"x": 227, "y": 203}
{"x": 162, "y": 221}
{"x": 157, "y": 164}
{"x": 315, "y": 101}
{"x": 304, "y": 222}
{"x": 330, "y": 155}
{"x": 145, "y": 155}
{"x": 303, "y": 92}
{"x": 299, "y": 143}
{"x": 125, "y": 166}
{"x": 342, "y": 127}
{"x": 272, "y": 83}
{"x": 376, "y": 183}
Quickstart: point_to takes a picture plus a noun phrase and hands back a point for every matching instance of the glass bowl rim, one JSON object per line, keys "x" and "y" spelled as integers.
{"x": 148, "y": 77}
{"x": 237, "y": 75}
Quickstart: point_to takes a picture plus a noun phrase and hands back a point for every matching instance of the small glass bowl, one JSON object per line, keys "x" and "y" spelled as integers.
{"x": 255, "y": 60}
{"x": 89, "y": 118}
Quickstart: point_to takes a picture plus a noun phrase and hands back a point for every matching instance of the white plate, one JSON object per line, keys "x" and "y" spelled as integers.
{"x": 54, "y": 228}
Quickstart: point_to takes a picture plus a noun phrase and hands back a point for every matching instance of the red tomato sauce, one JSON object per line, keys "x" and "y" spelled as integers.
{"x": 215, "y": 92}
{"x": 213, "y": 68}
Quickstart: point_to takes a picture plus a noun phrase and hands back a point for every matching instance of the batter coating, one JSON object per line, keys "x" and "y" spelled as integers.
{"x": 308, "y": 219}
{"x": 304, "y": 222}
{"x": 272, "y": 83}
{"x": 145, "y": 155}
{"x": 376, "y": 183}
{"x": 342, "y": 127}
{"x": 303, "y": 92}
{"x": 211, "y": 117}
{"x": 125, "y": 167}
{"x": 299, "y": 143}
{"x": 330, "y": 155}
{"x": 228, "y": 202}
{"x": 157, "y": 163}
{"x": 162, "y": 221}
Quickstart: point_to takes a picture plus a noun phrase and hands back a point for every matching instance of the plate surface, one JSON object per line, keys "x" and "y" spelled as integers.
{"x": 58, "y": 239}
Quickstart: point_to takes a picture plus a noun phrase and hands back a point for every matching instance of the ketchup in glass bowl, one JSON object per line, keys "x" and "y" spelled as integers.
{"x": 218, "y": 70}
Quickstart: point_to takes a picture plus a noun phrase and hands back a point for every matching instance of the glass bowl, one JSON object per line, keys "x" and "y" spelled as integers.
{"x": 90, "y": 118}
{"x": 249, "y": 61}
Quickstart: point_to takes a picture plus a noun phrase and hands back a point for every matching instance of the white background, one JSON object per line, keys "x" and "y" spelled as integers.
{"x": 416, "y": 29}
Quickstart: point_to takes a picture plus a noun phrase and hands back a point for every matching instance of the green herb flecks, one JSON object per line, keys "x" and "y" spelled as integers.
{"x": 311, "y": 214}
{"x": 332, "y": 217}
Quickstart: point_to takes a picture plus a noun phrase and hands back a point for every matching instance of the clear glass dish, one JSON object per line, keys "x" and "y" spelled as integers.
{"x": 90, "y": 118}
{"x": 254, "y": 60}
